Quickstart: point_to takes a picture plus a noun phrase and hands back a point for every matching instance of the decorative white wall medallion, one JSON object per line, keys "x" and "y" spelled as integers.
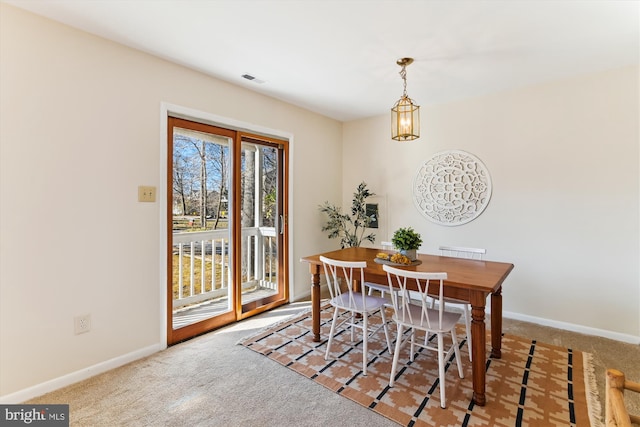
{"x": 452, "y": 188}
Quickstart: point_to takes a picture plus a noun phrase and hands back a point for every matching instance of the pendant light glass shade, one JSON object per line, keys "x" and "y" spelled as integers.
{"x": 405, "y": 114}
{"x": 405, "y": 120}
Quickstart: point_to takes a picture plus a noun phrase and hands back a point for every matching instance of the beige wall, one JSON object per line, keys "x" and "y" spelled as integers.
{"x": 563, "y": 158}
{"x": 80, "y": 129}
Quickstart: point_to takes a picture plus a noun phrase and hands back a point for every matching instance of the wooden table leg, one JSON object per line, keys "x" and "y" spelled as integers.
{"x": 478, "y": 341}
{"x": 315, "y": 301}
{"x": 496, "y": 324}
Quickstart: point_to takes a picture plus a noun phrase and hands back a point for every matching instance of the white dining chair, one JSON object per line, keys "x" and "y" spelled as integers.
{"x": 467, "y": 253}
{"x": 383, "y": 288}
{"x": 416, "y": 316}
{"x": 352, "y": 308}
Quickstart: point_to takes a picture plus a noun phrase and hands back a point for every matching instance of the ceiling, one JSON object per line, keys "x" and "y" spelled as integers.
{"x": 338, "y": 57}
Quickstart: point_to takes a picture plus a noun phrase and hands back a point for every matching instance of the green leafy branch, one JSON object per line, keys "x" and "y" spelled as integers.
{"x": 350, "y": 229}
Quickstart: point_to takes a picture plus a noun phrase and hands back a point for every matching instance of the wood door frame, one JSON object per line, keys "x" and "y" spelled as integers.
{"x": 177, "y": 335}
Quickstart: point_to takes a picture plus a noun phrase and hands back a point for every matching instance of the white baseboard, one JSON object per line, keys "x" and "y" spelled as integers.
{"x": 631, "y": 339}
{"x": 74, "y": 377}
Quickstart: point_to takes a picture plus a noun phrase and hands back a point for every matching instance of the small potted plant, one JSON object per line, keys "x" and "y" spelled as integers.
{"x": 407, "y": 241}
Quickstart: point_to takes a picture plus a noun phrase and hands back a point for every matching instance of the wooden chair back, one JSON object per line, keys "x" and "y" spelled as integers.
{"x": 616, "y": 413}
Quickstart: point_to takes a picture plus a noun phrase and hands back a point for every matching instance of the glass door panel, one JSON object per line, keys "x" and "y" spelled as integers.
{"x": 262, "y": 228}
{"x": 201, "y": 265}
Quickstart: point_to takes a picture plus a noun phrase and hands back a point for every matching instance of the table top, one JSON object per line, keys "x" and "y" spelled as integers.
{"x": 461, "y": 272}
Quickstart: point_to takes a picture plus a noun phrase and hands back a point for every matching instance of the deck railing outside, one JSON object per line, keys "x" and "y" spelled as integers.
{"x": 201, "y": 263}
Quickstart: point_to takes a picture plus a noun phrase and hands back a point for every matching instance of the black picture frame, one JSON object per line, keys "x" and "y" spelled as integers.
{"x": 371, "y": 209}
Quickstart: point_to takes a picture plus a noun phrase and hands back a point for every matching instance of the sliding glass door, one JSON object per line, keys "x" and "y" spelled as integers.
{"x": 227, "y": 209}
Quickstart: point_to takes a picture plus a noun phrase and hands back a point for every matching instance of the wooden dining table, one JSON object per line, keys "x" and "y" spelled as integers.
{"x": 467, "y": 279}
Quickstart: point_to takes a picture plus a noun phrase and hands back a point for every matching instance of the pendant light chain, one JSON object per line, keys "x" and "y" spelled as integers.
{"x": 403, "y": 74}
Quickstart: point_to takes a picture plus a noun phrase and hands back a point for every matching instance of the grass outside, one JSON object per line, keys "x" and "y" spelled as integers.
{"x": 192, "y": 223}
{"x": 186, "y": 275}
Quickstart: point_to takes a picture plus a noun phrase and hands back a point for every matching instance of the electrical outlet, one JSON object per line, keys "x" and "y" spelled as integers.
{"x": 146, "y": 194}
{"x": 82, "y": 324}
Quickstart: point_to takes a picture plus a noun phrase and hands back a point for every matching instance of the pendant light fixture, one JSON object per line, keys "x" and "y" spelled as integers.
{"x": 405, "y": 114}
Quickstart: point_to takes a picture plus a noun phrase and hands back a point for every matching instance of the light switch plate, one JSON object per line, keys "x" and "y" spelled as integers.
{"x": 146, "y": 194}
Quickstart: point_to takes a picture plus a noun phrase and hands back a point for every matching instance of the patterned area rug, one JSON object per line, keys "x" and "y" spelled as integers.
{"x": 533, "y": 384}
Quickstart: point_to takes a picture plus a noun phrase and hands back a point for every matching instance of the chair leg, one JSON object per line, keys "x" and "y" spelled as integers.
{"x": 456, "y": 350}
{"x": 443, "y": 399}
{"x": 467, "y": 324}
{"x": 413, "y": 344}
{"x": 386, "y": 329}
{"x": 396, "y": 354}
{"x": 353, "y": 325}
{"x": 331, "y": 332}
{"x": 365, "y": 342}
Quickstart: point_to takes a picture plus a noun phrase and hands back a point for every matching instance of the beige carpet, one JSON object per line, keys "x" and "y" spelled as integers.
{"x": 534, "y": 384}
{"x": 209, "y": 381}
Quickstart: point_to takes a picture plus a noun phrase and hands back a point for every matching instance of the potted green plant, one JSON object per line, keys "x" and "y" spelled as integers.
{"x": 350, "y": 228}
{"x": 407, "y": 241}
